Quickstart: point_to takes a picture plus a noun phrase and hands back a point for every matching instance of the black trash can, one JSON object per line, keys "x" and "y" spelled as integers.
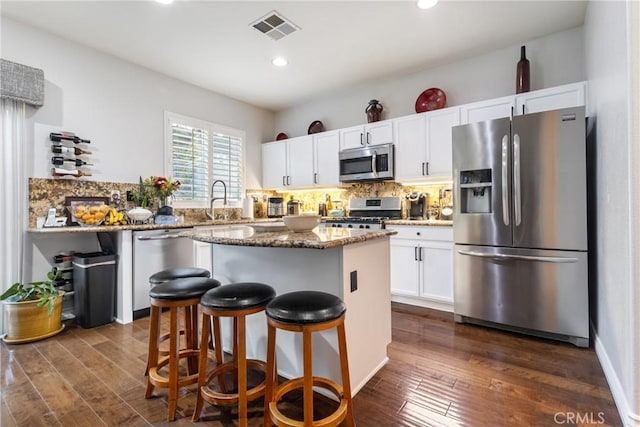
{"x": 94, "y": 282}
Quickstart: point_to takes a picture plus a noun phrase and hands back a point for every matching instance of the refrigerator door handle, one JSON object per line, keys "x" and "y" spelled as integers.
{"x": 505, "y": 179}
{"x": 517, "y": 199}
{"x": 564, "y": 260}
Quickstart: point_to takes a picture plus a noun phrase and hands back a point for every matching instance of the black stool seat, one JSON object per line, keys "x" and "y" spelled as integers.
{"x": 305, "y": 307}
{"x": 187, "y": 288}
{"x": 177, "y": 273}
{"x": 238, "y": 296}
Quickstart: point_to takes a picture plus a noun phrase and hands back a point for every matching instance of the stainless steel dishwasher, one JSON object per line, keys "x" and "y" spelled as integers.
{"x": 153, "y": 251}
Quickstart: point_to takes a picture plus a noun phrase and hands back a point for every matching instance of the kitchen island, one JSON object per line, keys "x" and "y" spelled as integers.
{"x": 352, "y": 264}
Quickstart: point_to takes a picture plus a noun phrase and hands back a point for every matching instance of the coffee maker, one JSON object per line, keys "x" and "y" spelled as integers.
{"x": 417, "y": 205}
{"x": 275, "y": 207}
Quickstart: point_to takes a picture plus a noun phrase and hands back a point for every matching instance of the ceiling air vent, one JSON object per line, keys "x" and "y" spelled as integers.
{"x": 275, "y": 26}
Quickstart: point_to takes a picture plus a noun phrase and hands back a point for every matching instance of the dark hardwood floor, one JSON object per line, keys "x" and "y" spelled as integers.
{"x": 439, "y": 373}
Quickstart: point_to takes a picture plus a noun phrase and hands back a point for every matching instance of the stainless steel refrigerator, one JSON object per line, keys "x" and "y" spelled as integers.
{"x": 520, "y": 224}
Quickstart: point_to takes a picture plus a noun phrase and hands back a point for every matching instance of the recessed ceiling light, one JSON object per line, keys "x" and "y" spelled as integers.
{"x": 426, "y": 4}
{"x": 279, "y": 61}
{"x": 165, "y": 1}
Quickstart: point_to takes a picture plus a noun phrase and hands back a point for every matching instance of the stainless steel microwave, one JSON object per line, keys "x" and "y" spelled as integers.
{"x": 367, "y": 163}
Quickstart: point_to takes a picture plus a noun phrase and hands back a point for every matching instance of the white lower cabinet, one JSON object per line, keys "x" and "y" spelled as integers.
{"x": 422, "y": 266}
{"x": 202, "y": 254}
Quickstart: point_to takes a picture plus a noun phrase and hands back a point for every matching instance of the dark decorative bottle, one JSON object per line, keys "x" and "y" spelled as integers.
{"x": 522, "y": 73}
{"x": 374, "y": 111}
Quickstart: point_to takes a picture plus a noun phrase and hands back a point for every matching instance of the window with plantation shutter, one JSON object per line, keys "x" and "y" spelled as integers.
{"x": 199, "y": 153}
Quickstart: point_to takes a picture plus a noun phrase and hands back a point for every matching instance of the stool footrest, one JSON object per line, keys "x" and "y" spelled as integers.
{"x": 159, "y": 380}
{"x": 336, "y": 417}
{"x": 220, "y": 398}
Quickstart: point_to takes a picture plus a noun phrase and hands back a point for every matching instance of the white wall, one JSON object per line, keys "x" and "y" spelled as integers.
{"x": 119, "y": 107}
{"x": 607, "y": 53}
{"x": 555, "y": 60}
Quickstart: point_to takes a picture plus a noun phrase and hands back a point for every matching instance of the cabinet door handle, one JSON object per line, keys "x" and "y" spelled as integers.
{"x": 283, "y": 180}
{"x": 420, "y": 253}
{"x": 368, "y": 142}
{"x": 422, "y": 168}
{"x": 415, "y": 253}
{"x": 361, "y": 138}
{"x": 512, "y": 112}
{"x": 427, "y": 168}
{"x": 288, "y": 180}
{"x": 522, "y": 108}
{"x": 315, "y": 178}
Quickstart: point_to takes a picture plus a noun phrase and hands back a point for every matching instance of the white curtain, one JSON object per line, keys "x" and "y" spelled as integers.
{"x": 12, "y": 191}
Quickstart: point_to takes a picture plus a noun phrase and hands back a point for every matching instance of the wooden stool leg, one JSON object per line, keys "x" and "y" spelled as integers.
{"x": 202, "y": 369}
{"x": 271, "y": 378}
{"x": 307, "y": 387}
{"x": 191, "y": 333}
{"x": 242, "y": 372}
{"x": 344, "y": 367}
{"x": 152, "y": 352}
{"x": 174, "y": 340}
{"x": 217, "y": 340}
{"x": 235, "y": 352}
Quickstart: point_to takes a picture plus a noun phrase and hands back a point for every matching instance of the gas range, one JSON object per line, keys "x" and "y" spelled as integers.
{"x": 368, "y": 213}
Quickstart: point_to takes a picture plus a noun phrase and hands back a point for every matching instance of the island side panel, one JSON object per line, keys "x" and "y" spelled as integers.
{"x": 286, "y": 270}
{"x": 368, "y": 321}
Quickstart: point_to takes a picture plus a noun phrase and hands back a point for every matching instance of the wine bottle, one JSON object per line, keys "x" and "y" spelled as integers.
{"x": 69, "y": 172}
{"x": 59, "y": 161}
{"x": 61, "y": 149}
{"x": 69, "y": 136}
{"x": 522, "y": 73}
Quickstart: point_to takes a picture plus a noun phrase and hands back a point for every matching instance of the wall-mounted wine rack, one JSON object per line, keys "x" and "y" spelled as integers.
{"x": 64, "y": 155}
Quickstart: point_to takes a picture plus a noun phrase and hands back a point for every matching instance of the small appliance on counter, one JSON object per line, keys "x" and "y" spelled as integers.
{"x": 417, "y": 205}
{"x": 275, "y": 207}
{"x": 294, "y": 207}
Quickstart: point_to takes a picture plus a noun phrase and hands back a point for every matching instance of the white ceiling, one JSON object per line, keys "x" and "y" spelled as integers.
{"x": 340, "y": 44}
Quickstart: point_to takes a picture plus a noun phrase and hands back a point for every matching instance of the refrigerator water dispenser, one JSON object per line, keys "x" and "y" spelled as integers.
{"x": 475, "y": 191}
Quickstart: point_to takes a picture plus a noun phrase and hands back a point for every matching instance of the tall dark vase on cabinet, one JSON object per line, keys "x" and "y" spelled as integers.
{"x": 522, "y": 72}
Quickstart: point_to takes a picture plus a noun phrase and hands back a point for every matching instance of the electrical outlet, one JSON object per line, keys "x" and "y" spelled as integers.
{"x": 115, "y": 197}
{"x": 354, "y": 280}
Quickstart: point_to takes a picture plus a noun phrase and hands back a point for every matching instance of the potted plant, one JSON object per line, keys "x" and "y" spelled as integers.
{"x": 141, "y": 198}
{"x": 34, "y": 311}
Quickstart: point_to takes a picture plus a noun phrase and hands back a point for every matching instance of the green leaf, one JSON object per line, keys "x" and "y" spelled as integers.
{"x": 14, "y": 289}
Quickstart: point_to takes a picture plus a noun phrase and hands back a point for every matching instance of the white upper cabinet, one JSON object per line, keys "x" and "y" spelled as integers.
{"x": 302, "y": 162}
{"x": 555, "y": 98}
{"x": 326, "y": 165}
{"x": 410, "y": 147}
{"x": 423, "y": 145}
{"x": 487, "y": 110}
{"x": 300, "y": 159}
{"x": 364, "y": 135}
{"x": 288, "y": 163}
{"x": 274, "y": 164}
{"x": 439, "y": 140}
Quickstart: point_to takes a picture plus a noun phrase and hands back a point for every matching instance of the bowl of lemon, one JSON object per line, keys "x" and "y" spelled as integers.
{"x": 89, "y": 214}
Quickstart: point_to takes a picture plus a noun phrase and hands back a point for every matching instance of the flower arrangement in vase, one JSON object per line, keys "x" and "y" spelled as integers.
{"x": 163, "y": 189}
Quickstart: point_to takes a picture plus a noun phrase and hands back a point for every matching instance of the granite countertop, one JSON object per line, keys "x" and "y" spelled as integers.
{"x": 318, "y": 238}
{"x": 421, "y": 222}
{"x": 140, "y": 227}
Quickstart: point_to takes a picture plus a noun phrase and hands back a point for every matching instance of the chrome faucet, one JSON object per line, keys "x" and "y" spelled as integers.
{"x": 213, "y": 199}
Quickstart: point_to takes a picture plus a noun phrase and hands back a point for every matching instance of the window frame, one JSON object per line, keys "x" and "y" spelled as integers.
{"x": 211, "y": 128}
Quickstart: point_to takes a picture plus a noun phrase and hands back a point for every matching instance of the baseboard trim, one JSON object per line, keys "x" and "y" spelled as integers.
{"x": 629, "y": 419}
{"x": 422, "y": 302}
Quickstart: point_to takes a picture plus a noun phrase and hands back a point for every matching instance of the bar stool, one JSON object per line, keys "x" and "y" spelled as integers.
{"x": 306, "y": 312}
{"x": 175, "y": 294}
{"x": 172, "y": 274}
{"x": 177, "y": 273}
{"x": 237, "y": 300}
